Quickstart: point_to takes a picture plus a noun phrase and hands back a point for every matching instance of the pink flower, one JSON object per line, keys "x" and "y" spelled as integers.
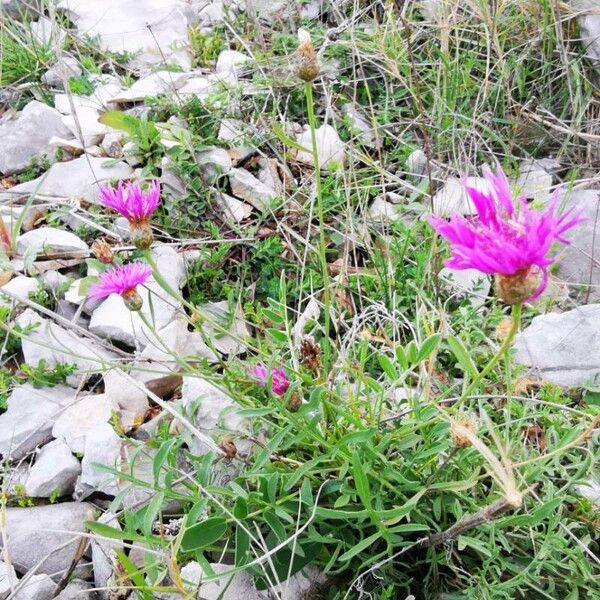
{"x": 123, "y": 281}
{"x": 505, "y": 239}
{"x": 129, "y": 200}
{"x": 279, "y": 379}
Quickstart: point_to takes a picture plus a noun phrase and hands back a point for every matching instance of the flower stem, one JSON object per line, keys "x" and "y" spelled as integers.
{"x": 502, "y": 351}
{"x": 310, "y": 108}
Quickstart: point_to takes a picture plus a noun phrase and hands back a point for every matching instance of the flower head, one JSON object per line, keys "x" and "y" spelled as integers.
{"x": 279, "y": 379}
{"x": 509, "y": 241}
{"x": 129, "y": 200}
{"x": 123, "y": 281}
{"x": 308, "y": 62}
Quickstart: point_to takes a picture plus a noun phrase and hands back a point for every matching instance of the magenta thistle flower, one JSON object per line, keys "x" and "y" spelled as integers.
{"x": 509, "y": 241}
{"x": 123, "y": 281}
{"x": 129, "y": 200}
{"x": 279, "y": 379}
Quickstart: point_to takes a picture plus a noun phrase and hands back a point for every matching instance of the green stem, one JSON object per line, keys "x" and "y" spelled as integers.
{"x": 310, "y": 106}
{"x": 502, "y": 351}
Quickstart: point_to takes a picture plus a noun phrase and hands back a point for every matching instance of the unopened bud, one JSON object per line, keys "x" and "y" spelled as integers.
{"x": 308, "y": 63}
{"x": 517, "y": 288}
{"x": 133, "y": 301}
{"x": 103, "y": 252}
{"x": 141, "y": 234}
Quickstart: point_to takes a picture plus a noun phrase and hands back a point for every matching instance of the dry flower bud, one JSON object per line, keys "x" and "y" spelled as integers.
{"x": 141, "y": 234}
{"x": 133, "y": 301}
{"x": 517, "y": 288}
{"x": 102, "y": 251}
{"x": 310, "y": 354}
{"x": 308, "y": 63}
{"x": 460, "y": 430}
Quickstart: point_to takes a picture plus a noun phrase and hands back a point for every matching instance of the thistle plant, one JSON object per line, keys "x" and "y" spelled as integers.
{"x": 124, "y": 281}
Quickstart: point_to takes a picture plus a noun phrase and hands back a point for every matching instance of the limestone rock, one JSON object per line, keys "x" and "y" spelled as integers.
{"x": 468, "y": 283}
{"x": 36, "y": 587}
{"x": 250, "y": 189}
{"x": 157, "y": 84}
{"x": 39, "y": 534}
{"x": 30, "y": 416}
{"x": 67, "y": 67}
{"x": 232, "y": 61}
{"x": 50, "y": 242}
{"x": 20, "y": 286}
{"x": 330, "y": 147}
{"x": 563, "y": 348}
{"x": 27, "y": 136}
{"x": 8, "y": 580}
{"x": 55, "y": 470}
{"x": 452, "y": 198}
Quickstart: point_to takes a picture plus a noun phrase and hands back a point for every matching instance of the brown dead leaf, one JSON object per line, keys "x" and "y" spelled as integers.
{"x": 503, "y": 329}
{"x": 7, "y": 182}
{"x": 5, "y": 277}
{"x": 523, "y": 386}
{"x": 33, "y": 218}
{"x": 535, "y": 436}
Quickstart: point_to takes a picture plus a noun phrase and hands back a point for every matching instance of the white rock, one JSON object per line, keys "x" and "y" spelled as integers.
{"x": 102, "y": 447}
{"x": 105, "y": 560}
{"x": 213, "y": 162}
{"x": 330, "y": 147}
{"x": 76, "y": 590}
{"x": 111, "y": 144}
{"x": 155, "y": 30}
{"x": 231, "y": 587}
{"x": 247, "y": 187}
{"x": 452, "y": 198}
{"x": 232, "y": 207}
{"x": 231, "y": 130}
{"x": 99, "y": 99}
{"x": 157, "y": 84}
{"x": 51, "y": 242}
{"x": 55, "y": 470}
{"x": 269, "y": 175}
{"x": 53, "y": 281}
{"x": 113, "y": 320}
{"x": 67, "y": 67}
{"x": 28, "y": 135}
{"x": 416, "y": 163}
{"x": 85, "y": 122}
{"x": 298, "y": 586}
{"x": 126, "y": 394}
{"x": 36, "y": 587}
{"x": 48, "y": 535}
{"x": 43, "y": 30}
{"x": 534, "y": 180}
{"x": 77, "y": 178}
{"x": 8, "y": 580}
{"x": 74, "y": 425}
{"x": 20, "y": 286}
{"x": 563, "y": 348}
{"x": 72, "y": 145}
{"x": 232, "y": 61}
{"x": 228, "y": 335}
{"x": 381, "y": 210}
{"x": 215, "y": 414}
{"x": 467, "y": 282}
{"x": 577, "y": 262}
{"x": 591, "y": 491}
{"x": 29, "y": 418}
{"x": 589, "y": 25}
{"x": 54, "y": 344}
{"x": 359, "y": 126}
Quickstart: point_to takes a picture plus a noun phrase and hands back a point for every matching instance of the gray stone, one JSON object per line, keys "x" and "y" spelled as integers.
{"x": 28, "y": 420}
{"x": 102, "y": 447}
{"x": 47, "y": 534}
{"x": 77, "y": 179}
{"x": 359, "y": 126}
{"x": 250, "y": 189}
{"x": 330, "y": 148}
{"x": 111, "y": 144}
{"x": 121, "y": 390}
{"x": 535, "y": 179}
{"x": 213, "y": 162}
{"x": 232, "y": 61}
{"x": 156, "y": 84}
{"x": 8, "y": 580}
{"x": 232, "y": 587}
{"x": 228, "y": 334}
{"x": 77, "y": 590}
{"x": 55, "y": 471}
{"x": 416, "y": 163}
{"x": 54, "y": 344}
{"x": 591, "y": 491}
{"x": 154, "y": 30}
{"x": 27, "y": 136}
{"x": 589, "y": 25}
{"x": 232, "y": 207}
{"x": 76, "y": 422}
{"x": 85, "y": 126}
{"x": 105, "y": 560}
{"x": 579, "y": 262}
{"x": 36, "y": 587}
{"x": 452, "y": 198}
{"x": 563, "y": 348}
{"x": 215, "y": 413}
{"x": 67, "y": 67}
{"x": 53, "y": 281}
{"x": 20, "y": 286}
{"x": 50, "y": 242}
{"x": 468, "y": 283}
{"x": 381, "y": 210}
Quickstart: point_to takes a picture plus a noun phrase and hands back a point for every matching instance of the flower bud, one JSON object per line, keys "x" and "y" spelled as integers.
{"x": 308, "y": 63}
{"x": 517, "y": 288}
{"x": 133, "y": 301}
{"x": 102, "y": 251}
{"x": 141, "y": 234}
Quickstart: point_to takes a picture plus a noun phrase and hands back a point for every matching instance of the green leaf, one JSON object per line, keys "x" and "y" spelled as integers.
{"x": 152, "y": 511}
{"x": 203, "y": 534}
{"x": 278, "y": 335}
{"x": 134, "y": 574}
{"x": 462, "y": 355}
{"x": 388, "y": 367}
{"x": 285, "y": 139}
{"x": 428, "y": 346}
{"x": 362, "y": 545}
{"x": 122, "y": 121}
{"x": 242, "y": 546}
{"x": 401, "y": 357}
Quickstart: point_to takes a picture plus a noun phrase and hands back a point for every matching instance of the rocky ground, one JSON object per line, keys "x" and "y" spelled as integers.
{"x": 87, "y": 384}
